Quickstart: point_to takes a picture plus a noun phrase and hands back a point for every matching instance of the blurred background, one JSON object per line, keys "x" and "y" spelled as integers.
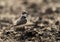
{"x": 44, "y": 14}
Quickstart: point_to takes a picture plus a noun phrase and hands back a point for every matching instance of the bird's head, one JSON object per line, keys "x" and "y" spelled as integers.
{"x": 25, "y": 14}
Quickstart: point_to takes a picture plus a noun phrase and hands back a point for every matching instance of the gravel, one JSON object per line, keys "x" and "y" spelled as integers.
{"x": 43, "y": 21}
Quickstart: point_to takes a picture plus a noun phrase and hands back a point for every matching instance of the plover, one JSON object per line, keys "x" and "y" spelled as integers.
{"x": 22, "y": 20}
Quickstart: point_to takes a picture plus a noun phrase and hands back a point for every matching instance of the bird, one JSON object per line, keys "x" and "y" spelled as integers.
{"x": 22, "y": 20}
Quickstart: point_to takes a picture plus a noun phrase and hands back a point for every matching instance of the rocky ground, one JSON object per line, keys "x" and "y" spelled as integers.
{"x": 43, "y": 23}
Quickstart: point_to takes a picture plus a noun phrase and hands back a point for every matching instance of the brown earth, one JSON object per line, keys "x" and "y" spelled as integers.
{"x": 43, "y": 23}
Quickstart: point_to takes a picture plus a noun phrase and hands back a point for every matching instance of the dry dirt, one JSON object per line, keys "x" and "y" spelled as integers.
{"x": 43, "y": 21}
